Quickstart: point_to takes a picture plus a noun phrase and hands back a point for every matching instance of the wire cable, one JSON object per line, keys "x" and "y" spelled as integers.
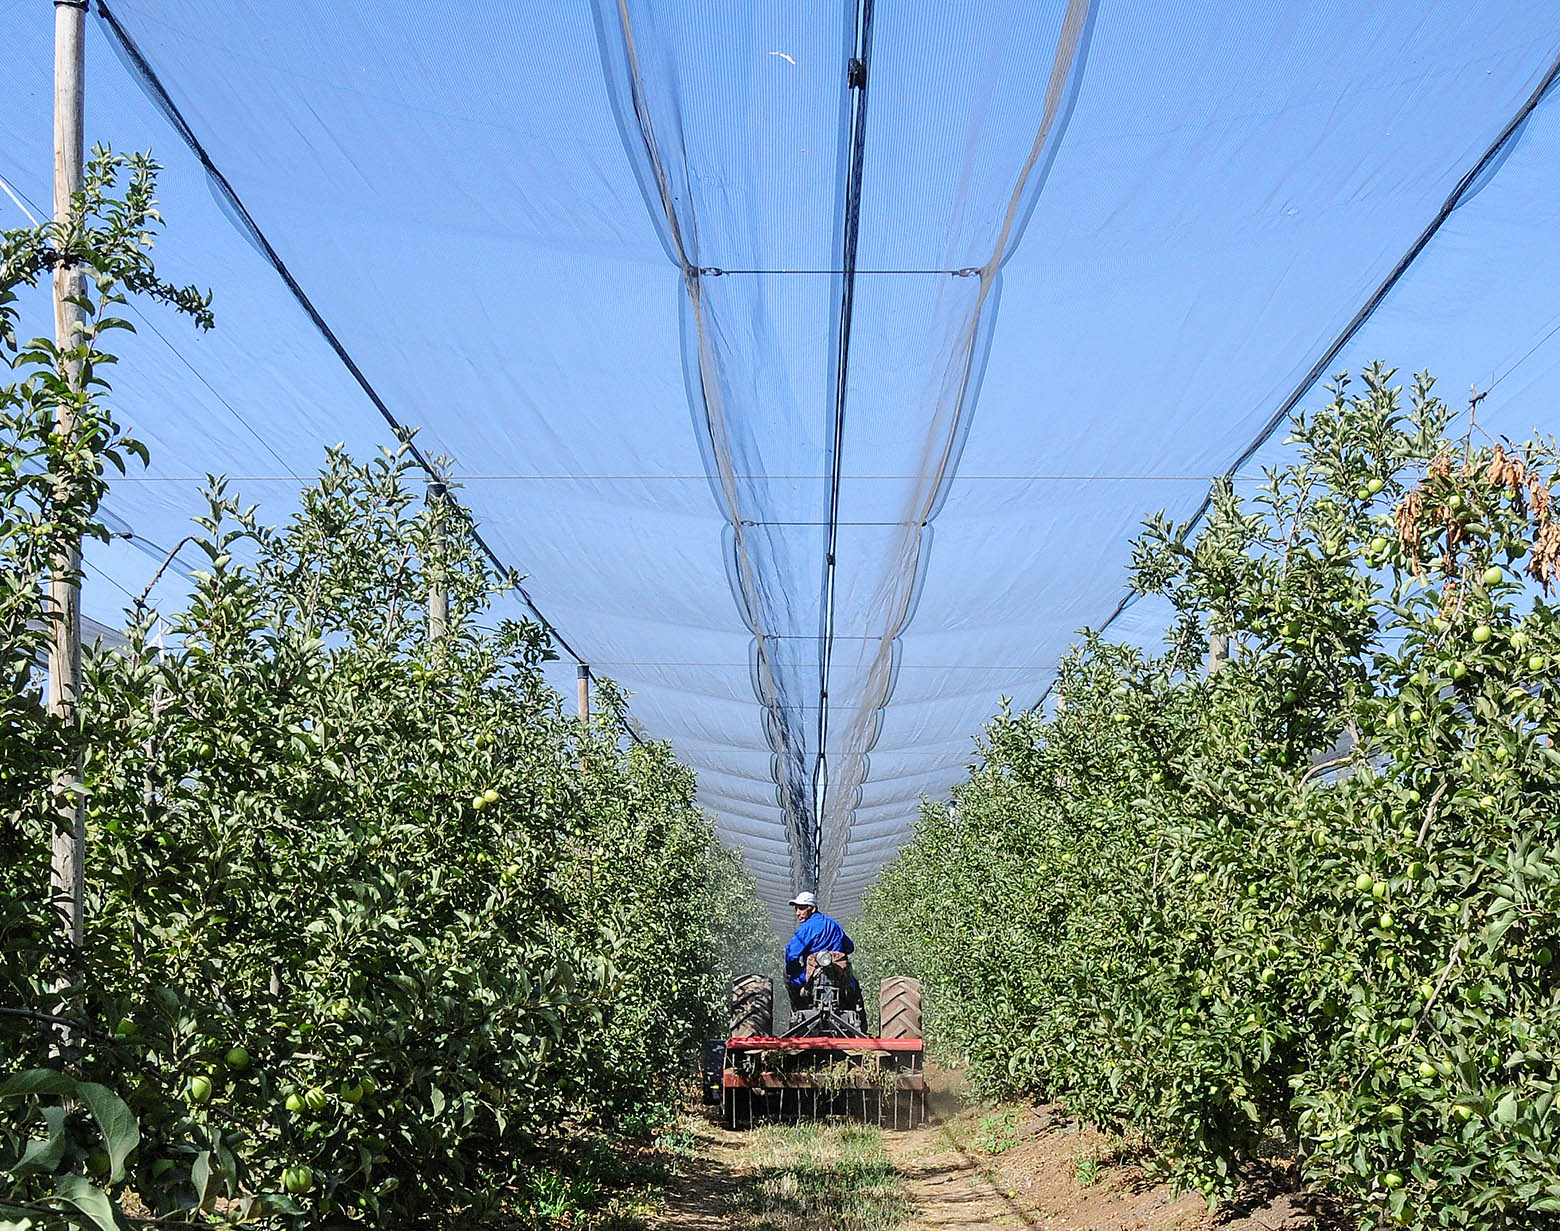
{"x": 856, "y": 81}
{"x": 152, "y": 84}
{"x": 19, "y": 197}
{"x": 1456, "y": 197}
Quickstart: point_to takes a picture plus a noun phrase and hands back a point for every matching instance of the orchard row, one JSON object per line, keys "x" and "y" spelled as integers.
{"x": 1311, "y": 892}
{"x": 370, "y": 923}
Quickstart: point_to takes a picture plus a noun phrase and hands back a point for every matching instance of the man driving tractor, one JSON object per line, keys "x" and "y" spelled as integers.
{"x": 816, "y": 934}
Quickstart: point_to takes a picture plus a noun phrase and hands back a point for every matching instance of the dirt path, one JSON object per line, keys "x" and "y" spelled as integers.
{"x": 968, "y": 1168}
{"x": 1027, "y": 1167}
{"x": 710, "y": 1177}
{"x": 982, "y": 1167}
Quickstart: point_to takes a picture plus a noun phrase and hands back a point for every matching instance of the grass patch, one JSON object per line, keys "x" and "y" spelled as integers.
{"x": 817, "y": 1176}
{"x": 996, "y": 1133}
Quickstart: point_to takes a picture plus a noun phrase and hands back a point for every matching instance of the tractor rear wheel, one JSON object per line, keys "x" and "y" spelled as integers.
{"x": 752, "y": 1007}
{"x": 900, "y": 1002}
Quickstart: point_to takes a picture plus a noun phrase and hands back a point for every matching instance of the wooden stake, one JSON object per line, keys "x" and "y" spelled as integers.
{"x": 1218, "y": 649}
{"x": 438, "y": 588}
{"x": 68, "y": 855}
{"x": 582, "y": 679}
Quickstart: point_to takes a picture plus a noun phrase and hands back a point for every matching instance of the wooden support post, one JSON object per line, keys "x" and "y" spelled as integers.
{"x": 1218, "y": 649}
{"x": 438, "y": 582}
{"x": 582, "y": 681}
{"x": 67, "y": 865}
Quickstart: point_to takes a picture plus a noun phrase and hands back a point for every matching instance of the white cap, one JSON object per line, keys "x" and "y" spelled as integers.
{"x": 804, "y": 899}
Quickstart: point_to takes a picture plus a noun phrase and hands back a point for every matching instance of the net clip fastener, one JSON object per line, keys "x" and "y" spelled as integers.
{"x": 856, "y": 74}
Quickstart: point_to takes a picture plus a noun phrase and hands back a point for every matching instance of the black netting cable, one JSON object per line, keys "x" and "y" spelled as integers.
{"x": 1455, "y": 198}
{"x": 154, "y": 87}
{"x": 856, "y": 81}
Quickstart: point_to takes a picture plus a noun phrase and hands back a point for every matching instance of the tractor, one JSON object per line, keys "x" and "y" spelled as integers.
{"x": 826, "y": 1060}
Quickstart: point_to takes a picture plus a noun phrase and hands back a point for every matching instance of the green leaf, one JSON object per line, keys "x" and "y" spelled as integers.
{"x": 37, "y": 1081}
{"x": 268, "y": 1203}
{"x": 121, "y": 1133}
{"x": 91, "y": 1201}
{"x": 200, "y": 1177}
{"x": 43, "y": 1154}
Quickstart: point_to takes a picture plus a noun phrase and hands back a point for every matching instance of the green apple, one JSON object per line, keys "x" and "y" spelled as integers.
{"x": 298, "y": 1180}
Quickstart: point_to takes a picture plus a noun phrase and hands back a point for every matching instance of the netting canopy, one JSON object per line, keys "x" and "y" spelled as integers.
{"x": 815, "y": 363}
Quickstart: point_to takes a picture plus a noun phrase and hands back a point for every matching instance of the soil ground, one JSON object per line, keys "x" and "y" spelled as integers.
{"x": 968, "y": 1167}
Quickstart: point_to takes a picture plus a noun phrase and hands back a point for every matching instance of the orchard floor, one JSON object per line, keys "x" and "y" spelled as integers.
{"x": 969, "y": 1167}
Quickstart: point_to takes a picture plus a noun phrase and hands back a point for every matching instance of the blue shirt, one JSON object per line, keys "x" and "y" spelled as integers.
{"x": 817, "y": 934}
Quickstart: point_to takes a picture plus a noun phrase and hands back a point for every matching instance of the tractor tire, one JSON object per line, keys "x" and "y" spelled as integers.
{"x": 900, "y": 1001}
{"x": 752, "y": 1007}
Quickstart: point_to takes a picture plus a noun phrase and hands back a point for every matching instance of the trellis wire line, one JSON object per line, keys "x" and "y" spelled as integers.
{"x": 1368, "y": 309}
{"x": 1531, "y": 351}
{"x": 18, "y": 196}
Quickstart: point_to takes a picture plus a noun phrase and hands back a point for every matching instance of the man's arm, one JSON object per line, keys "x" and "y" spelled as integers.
{"x": 795, "y": 952}
{"x": 796, "y": 947}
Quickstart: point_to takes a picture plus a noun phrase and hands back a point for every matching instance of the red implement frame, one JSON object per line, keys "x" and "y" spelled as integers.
{"x": 751, "y": 1086}
{"x": 763, "y": 1043}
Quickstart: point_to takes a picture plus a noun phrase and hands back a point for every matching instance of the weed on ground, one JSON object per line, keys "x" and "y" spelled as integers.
{"x": 996, "y": 1133}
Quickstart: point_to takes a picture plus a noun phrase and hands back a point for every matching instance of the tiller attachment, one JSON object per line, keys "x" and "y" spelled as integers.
{"x": 824, "y": 1062}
